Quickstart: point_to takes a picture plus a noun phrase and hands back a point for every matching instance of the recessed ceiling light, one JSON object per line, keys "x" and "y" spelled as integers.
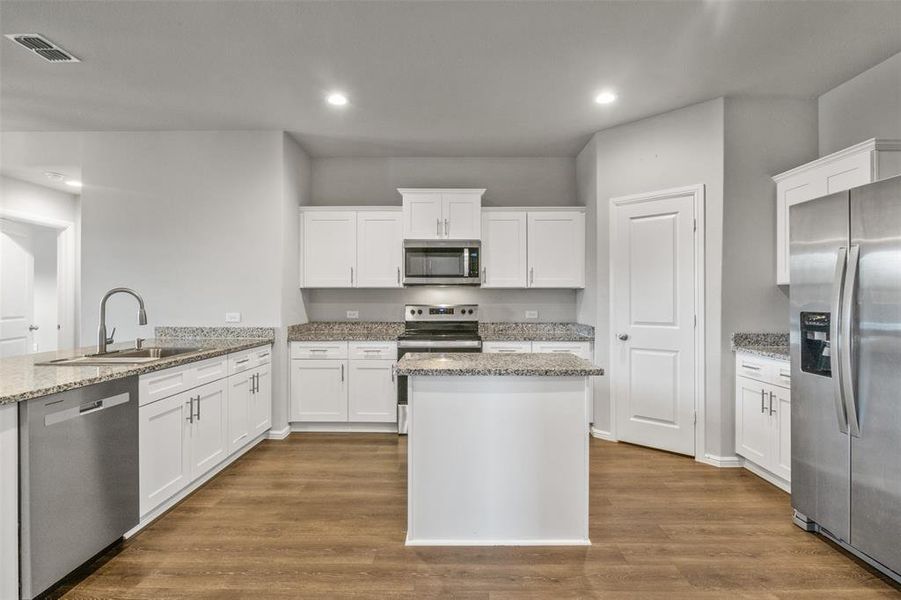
{"x": 336, "y": 99}
{"x": 605, "y": 98}
{"x": 73, "y": 183}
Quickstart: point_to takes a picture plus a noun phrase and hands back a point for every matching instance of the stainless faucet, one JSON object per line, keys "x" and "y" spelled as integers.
{"x": 102, "y": 340}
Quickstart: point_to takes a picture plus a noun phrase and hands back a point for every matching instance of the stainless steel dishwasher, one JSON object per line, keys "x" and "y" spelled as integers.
{"x": 78, "y": 470}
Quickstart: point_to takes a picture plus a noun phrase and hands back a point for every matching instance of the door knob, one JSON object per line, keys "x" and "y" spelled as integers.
{"x": 623, "y": 336}
{"x": 33, "y": 328}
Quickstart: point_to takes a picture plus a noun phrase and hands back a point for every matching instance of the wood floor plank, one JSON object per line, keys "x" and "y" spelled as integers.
{"x": 324, "y": 516}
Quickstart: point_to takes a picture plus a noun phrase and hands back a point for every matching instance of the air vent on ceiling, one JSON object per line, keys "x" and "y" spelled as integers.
{"x": 43, "y": 47}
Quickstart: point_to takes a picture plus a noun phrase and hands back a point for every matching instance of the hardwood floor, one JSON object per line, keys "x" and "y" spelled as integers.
{"x": 323, "y": 516}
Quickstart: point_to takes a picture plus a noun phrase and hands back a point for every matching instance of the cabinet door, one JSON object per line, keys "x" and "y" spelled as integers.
{"x": 165, "y": 454}
{"x": 380, "y": 249}
{"x": 462, "y": 216}
{"x": 781, "y": 422}
{"x": 329, "y": 248}
{"x": 209, "y": 433}
{"x": 504, "y": 249}
{"x": 752, "y": 421}
{"x": 319, "y": 390}
{"x": 422, "y": 216}
{"x": 556, "y": 249}
{"x": 239, "y": 407}
{"x": 261, "y": 407}
{"x": 373, "y": 391}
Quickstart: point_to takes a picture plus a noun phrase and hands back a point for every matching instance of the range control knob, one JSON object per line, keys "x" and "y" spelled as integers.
{"x": 419, "y": 312}
{"x": 412, "y": 311}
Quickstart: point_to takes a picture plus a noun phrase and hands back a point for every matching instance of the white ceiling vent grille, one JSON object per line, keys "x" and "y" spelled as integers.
{"x": 43, "y": 47}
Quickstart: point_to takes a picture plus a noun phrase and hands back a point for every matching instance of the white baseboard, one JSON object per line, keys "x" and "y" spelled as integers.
{"x": 724, "y": 462}
{"x": 549, "y": 542}
{"x": 601, "y": 434}
{"x": 165, "y": 506}
{"x": 279, "y": 434}
{"x": 344, "y": 427}
{"x": 780, "y": 483}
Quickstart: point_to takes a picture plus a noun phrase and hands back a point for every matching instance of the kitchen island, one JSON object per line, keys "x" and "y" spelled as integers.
{"x": 498, "y": 449}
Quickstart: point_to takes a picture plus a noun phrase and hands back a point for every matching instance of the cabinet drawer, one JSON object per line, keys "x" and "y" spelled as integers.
{"x": 373, "y": 350}
{"x": 162, "y": 384}
{"x": 327, "y": 350}
{"x": 241, "y": 361}
{"x": 580, "y": 349}
{"x": 506, "y": 347}
{"x": 760, "y": 368}
{"x": 262, "y": 355}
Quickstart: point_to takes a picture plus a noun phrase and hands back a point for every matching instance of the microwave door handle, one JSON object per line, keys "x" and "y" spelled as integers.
{"x": 835, "y": 347}
{"x": 847, "y": 337}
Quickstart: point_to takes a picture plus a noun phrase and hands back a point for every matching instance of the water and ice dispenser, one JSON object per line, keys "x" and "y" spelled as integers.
{"x": 815, "y": 343}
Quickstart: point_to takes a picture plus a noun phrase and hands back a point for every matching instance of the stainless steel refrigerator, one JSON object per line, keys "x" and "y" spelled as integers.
{"x": 846, "y": 370}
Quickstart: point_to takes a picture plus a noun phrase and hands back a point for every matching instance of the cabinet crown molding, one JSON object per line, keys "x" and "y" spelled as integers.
{"x": 870, "y": 145}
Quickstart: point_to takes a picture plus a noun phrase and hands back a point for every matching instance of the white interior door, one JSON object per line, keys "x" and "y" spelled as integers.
{"x": 652, "y": 264}
{"x": 16, "y": 288}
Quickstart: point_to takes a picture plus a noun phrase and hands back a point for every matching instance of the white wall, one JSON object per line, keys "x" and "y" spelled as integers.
{"x": 864, "y": 107}
{"x": 679, "y": 148}
{"x": 508, "y": 181}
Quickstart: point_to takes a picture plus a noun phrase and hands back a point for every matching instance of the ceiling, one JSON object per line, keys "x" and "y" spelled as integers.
{"x": 423, "y": 78}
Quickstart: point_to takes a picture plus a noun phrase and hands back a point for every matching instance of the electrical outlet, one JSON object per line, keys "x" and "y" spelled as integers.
{"x": 353, "y": 314}
{"x": 233, "y": 317}
{"x": 531, "y": 314}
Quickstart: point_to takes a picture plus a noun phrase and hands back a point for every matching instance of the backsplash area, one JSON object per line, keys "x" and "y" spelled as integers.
{"x": 387, "y": 305}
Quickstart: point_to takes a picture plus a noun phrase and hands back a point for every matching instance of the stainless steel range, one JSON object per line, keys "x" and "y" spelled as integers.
{"x": 435, "y": 328}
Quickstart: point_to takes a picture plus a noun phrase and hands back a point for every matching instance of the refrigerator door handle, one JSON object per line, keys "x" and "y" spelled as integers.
{"x": 835, "y": 345}
{"x": 847, "y": 378}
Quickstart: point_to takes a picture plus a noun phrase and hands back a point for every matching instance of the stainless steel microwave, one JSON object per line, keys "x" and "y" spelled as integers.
{"x": 442, "y": 262}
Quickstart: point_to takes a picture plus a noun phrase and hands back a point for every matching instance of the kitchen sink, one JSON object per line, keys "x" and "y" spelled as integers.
{"x": 120, "y": 357}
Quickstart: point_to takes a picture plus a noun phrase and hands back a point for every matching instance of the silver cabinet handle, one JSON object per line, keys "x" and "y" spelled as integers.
{"x": 446, "y": 230}
{"x": 438, "y": 227}
{"x": 342, "y": 371}
{"x": 318, "y": 349}
{"x": 252, "y": 381}
{"x": 783, "y": 373}
{"x": 531, "y": 275}
{"x": 847, "y": 340}
{"x": 772, "y": 412}
{"x": 242, "y": 361}
{"x": 484, "y": 274}
{"x": 351, "y": 276}
{"x": 393, "y": 370}
{"x": 762, "y": 401}
{"x": 835, "y": 348}
{"x": 752, "y": 367}
{"x": 398, "y": 275}
{"x": 623, "y": 336}
{"x": 198, "y": 407}
{"x": 190, "y": 418}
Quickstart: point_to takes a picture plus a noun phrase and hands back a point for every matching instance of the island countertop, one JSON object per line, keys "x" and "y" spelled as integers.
{"x": 21, "y": 378}
{"x": 478, "y": 364}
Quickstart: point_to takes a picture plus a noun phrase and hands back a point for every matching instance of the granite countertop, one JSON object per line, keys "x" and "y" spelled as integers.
{"x": 22, "y": 379}
{"x": 557, "y": 365}
{"x": 769, "y": 345}
{"x": 351, "y": 331}
{"x": 536, "y": 332}
{"x": 380, "y": 331}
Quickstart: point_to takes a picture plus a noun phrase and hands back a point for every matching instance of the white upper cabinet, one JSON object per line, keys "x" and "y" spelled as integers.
{"x": 857, "y": 165}
{"x": 504, "y": 248}
{"x": 328, "y": 248}
{"x": 380, "y": 249}
{"x": 442, "y": 214}
{"x": 556, "y": 249}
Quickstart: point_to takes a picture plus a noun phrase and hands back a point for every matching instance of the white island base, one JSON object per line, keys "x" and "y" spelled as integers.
{"x": 497, "y": 460}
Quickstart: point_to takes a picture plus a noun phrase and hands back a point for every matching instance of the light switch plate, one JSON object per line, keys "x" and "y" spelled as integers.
{"x": 353, "y": 314}
{"x": 531, "y": 314}
{"x": 233, "y": 317}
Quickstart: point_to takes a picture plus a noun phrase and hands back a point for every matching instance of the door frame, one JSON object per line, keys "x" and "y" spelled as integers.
{"x": 66, "y": 269}
{"x": 697, "y": 191}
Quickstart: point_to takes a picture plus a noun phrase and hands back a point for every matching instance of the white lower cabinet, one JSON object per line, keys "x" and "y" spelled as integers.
{"x": 186, "y": 435}
{"x": 373, "y": 391}
{"x": 356, "y": 384}
{"x": 763, "y": 418}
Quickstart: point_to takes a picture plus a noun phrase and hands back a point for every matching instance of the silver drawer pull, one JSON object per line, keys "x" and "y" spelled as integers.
{"x": 242, "y": 361}
{"x": 785, "y": 374}
{"x": 318, "y": 349}
{"x": 752, "y": 367}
